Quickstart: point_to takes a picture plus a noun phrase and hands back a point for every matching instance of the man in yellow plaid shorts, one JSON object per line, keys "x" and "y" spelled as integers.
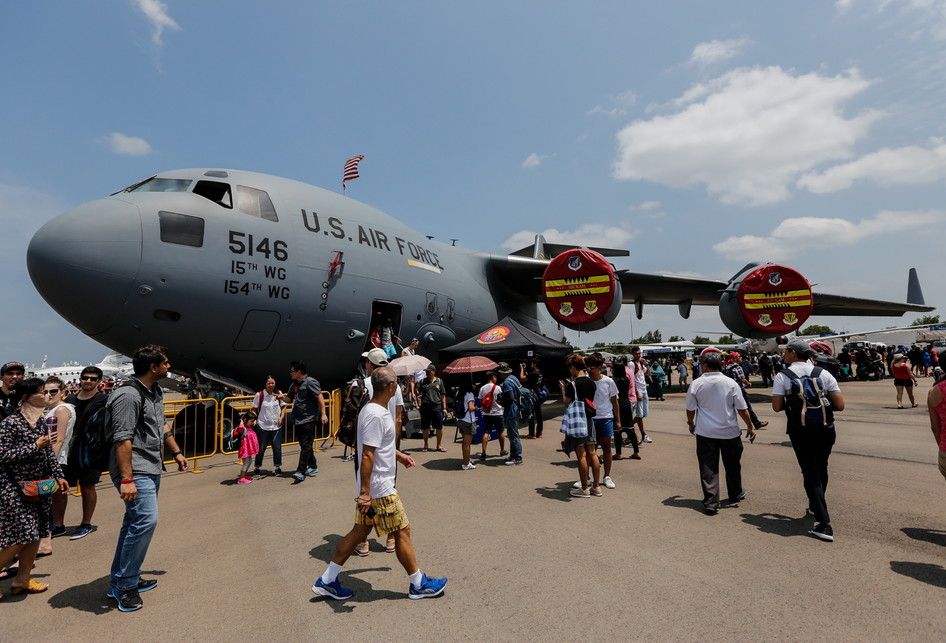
{"x": 377, "y": 504}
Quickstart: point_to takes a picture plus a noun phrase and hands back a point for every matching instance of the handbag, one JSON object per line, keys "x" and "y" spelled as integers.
{"x": 575, "y": 422}
{"x": 38, "y": 490}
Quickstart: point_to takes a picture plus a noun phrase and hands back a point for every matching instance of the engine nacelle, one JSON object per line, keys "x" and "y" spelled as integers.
{"x": 581, "y": 291}
{"x": 766, "y": 301}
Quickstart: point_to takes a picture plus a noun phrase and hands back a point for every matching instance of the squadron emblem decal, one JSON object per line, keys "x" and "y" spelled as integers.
{"x": 493, "y": 335}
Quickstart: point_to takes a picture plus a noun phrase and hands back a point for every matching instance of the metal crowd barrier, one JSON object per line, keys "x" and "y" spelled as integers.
{"x": 199, "y": 425}
{"x": 234, "y": 407}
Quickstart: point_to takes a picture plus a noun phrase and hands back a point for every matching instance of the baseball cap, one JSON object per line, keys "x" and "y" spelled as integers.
{"x": 430, "y": 367}
{"x": 377, "y": 357}
{"x": 11, "y": 366}
{"x": 800, "y": 346}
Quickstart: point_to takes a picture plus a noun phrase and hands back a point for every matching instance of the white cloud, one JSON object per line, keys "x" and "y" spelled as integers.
{"x": 624, "y": 100}
{"x": 598, "y": 109}
{"x": 793, "y": 236}
{"x": 646, "y": 205}
{"x": 127, "y": 145}
{"x": 714, "y": 51}
{"x": 157, "y": 13}
{"x": 533, "y": 160}
{"x": 888, "y": 166}
{"x": 589, "y": 234}
{"x": 747, "y": 135}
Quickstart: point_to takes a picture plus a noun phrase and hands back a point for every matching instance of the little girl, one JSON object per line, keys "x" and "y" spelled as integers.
{"x": 249, "y": 445}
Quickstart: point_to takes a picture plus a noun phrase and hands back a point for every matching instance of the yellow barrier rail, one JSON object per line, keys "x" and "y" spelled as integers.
{"x": 234, "y": 407}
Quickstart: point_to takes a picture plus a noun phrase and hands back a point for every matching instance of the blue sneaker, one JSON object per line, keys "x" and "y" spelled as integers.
{"x": 311, "y": 472}
{"x": 81, "y": 532}
{"x": 143, "y": 586}
{"x": 332, "y": 590}
{"x": 429, "y": 587}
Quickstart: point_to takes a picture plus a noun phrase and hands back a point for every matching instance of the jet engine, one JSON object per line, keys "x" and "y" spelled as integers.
{"x": 580, "y": 290}
{"x": 766, "y": 301}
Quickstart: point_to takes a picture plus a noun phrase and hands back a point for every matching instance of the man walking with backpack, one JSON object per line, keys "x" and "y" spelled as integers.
{"x": 138, "y": 431}
{"x": 810, "y": 396}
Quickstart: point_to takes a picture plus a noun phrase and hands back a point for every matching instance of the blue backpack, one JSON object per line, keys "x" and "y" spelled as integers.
{"x": 807, "y": 404}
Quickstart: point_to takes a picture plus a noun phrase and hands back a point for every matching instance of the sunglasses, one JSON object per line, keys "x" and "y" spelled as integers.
{"x": 89, "y": 378}
{"x": 52, "y": 391}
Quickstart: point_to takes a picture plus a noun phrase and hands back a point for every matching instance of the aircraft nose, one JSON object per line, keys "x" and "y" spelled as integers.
{"x": 84, "y": 262}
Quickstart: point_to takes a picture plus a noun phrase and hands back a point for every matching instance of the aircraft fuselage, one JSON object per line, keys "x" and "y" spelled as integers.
{"x": 239, "y": 273}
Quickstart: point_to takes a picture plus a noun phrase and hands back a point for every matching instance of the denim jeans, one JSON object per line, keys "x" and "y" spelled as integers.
{"x": 512, "y": 432}
{"x": 134, "y": 538}
{"x": 266, "y": 438}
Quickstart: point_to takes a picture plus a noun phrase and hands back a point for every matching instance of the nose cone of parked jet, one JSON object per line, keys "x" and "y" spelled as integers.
{"x": 84, "y": 262}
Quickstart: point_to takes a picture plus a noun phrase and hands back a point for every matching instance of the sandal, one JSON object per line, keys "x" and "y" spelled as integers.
{"x": 425, "y": 450}
{"x": 31, "y": 587}
{"x": 441, "y": 450}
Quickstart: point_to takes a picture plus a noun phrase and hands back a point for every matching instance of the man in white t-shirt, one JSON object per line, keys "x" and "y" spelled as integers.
{"x": 812, "y": 445}
{"x": 493, "y": 416}
{"x": 715, "y": 401}
{"x": 607, "y": 413}
{"x": 377, "y": 503}
{"x": 270, "y": 409}
{"x": 375, "y": 358}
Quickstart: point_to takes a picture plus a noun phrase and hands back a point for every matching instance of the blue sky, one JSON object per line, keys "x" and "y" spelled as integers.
{"x": 698, "y": 135}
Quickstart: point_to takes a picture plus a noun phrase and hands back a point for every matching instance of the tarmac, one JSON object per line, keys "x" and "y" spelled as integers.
{"x": 526, "y": 561}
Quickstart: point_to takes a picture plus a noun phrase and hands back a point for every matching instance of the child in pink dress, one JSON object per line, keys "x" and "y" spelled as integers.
{"x": 249, "y": 445}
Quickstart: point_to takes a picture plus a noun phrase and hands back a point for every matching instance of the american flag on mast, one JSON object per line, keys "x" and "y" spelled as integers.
{"x": 351, "y": 169}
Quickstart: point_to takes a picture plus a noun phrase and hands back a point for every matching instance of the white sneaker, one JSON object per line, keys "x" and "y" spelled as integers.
{"x": 647, "y": 440}
{"x": 467, "y": 467}
{"x": 608, "y": 482}
{"x": 577, "y": 485}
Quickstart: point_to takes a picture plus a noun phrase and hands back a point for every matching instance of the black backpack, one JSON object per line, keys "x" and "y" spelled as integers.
{"x": 807, "y": 404}
{"x": 356, "y": 396}
{"x": 95, "y": 441}
{"x": 233, "y": 440}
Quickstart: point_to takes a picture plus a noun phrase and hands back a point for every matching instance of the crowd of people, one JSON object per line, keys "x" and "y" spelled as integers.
{"x": 43, "y": 432}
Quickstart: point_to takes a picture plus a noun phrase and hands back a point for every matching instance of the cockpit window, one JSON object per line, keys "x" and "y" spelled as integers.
{"x": 155, "y": 184}
{"x": 181, "y": 229}
{"x": 255, "y": 203}
{"x": 216, "y": 191}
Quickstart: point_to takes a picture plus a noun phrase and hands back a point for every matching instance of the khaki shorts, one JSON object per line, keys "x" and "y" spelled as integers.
{"x": 942, "y": 463}
{"x": 389, "y": 515}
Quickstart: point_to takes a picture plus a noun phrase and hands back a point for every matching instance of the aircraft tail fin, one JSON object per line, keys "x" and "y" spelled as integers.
{"x": 541, "y": 249}
{"x": 914, "y": 292}
{"x": 114, "y": 358}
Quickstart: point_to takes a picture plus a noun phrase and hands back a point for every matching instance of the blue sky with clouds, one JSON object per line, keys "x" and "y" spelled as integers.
{"x": 699, "y": 135}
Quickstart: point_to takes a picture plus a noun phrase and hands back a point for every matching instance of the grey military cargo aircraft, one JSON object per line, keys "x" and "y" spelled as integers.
{"x": 239, "y": 273}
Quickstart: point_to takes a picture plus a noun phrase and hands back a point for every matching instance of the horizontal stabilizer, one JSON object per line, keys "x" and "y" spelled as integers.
{"x": 543, "y": 250}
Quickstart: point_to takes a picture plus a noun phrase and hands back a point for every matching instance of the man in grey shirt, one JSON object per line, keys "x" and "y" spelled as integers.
{"x": 308, "y": 413}
{"x": 138, "y": 432}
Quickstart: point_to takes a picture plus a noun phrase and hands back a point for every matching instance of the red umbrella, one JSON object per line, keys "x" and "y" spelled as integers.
{"x": 473, "y": 364}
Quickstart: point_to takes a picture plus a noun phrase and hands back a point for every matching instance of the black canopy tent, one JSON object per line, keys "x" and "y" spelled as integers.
{"x": 507, "y": 339}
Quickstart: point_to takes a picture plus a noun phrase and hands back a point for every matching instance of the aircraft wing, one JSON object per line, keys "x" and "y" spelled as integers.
{"x": 840, "y": 305}
{"x": 524, "y": 276}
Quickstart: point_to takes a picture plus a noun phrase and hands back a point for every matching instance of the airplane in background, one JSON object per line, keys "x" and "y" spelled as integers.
{"x": 238, "y": 273}
{"x": 774, "y": 344}
{"x": 113, "y": 365}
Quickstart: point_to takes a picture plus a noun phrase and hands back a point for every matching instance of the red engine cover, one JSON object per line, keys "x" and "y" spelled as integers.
{"x": 775, "y": 299}
{"x": 580, "y": 289}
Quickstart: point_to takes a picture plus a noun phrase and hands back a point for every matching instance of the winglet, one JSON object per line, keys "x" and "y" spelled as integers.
{"x": 914, "y": 292}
